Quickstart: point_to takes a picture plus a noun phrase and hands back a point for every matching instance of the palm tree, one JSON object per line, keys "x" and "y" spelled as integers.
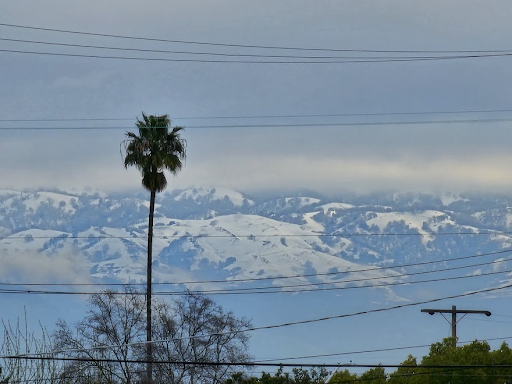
{"x": 152, "y": 151}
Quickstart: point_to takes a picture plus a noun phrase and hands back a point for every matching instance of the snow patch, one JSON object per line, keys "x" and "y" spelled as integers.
{"x": 300, "y": 202}
{"x": 331, "y": 208}
{"x": 214, "y": 194}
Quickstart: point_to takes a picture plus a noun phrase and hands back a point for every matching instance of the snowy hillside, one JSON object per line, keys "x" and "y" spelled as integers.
{"x": 206, "y": 233}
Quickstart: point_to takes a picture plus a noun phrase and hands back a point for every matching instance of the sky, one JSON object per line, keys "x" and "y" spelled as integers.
{"x": 312, "y": 154}
{"x": 345, "y": 126}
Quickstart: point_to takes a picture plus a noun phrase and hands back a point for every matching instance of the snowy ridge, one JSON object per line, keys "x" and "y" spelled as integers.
{"x": 206, "y": 233}
{"x": 33, "y": 200}
{"x": 211, "y": 194}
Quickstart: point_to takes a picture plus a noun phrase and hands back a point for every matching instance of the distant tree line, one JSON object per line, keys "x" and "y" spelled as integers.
{"x": 495, "y": 368}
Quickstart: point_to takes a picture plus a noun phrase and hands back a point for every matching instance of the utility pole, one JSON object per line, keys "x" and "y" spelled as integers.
{"x": 454, "y": 311}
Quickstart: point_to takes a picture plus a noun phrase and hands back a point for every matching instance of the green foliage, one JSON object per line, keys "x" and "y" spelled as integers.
{"x": 374, "y": 376}
{"x": 454, "y": 368}
{"x": 407, "y": 373}
{"x": 444, "y": 354}
{"x": 155, "y": 149}
{"x": 343, "y": 377}
{"x": 297, "y": 376}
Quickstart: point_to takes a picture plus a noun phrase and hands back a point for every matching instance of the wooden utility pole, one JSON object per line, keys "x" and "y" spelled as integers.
{"x": 454, "y": 311}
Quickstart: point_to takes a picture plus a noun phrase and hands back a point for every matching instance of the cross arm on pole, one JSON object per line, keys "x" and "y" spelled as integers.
{"x": 454, "y": 312}
{"x": 464, "y": 311}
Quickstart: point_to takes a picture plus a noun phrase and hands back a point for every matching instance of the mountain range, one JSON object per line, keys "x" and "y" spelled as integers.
{"x": 215, "y": 234}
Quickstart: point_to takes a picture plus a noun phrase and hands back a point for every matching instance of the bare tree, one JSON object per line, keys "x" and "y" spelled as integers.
{"x": 198, "y": 330}
{"x": 188, "y": 333}
{"x": 108, "y": 332}
{"x": 18, "y": 341}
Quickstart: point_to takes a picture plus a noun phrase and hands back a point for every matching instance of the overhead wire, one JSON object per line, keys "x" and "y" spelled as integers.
{"x": 362, "y": 114}
{"x": 502, "y": 120}
{"x": 276, "y": 125}
{"x": 253, "y": 364}
{"x": 259, "y": 290}
{"x": 102, "y": 347}
{"x": 258, "y": 361}
{"x": 436, "y": 373}
{"x": 379, "y": 310}
{"x": 308, "y": 61}
{"x": 279, "y": 289}
{"x": 371, "y": 269}
{"x": 505, "y": 120}
{"x": 371, "y": 350}
{"x": 370, "y": 311}
{"x": 293, "y": 323}
{"x": 128, "y": 37}
{"x": 223, "y": 54}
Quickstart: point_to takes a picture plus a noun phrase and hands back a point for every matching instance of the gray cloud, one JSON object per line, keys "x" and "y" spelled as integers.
{"x": 363, "y": 157}
{"x": 64, "y": 266}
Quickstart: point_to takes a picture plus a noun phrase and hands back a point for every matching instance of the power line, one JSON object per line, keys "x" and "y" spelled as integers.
{"x": 371, "y": 311}
{"x": 399, "y": 276}
{"x": 469, "y": 111}
{"x": 386, "y": 309}
{"x": 278, "y": 289}
{"x": 440, "y": 373}
{"x": 308, "y": 61}
{"x": 279, "y": 325}
{"x": 75, "y": 32}
{"x": 100, "y": 347}
{"x": 442, "y": 370}
{"x": 252, "y": 236}
{"x": 253, "y": 364}
{"x": 297, "y": 125}
{"x": 260, "y": 290}
{"x": 123, "y": 49}
{"x": 454, "y": 311}
{"x": 370, "y": 351}
{"x": 372, "y": 269}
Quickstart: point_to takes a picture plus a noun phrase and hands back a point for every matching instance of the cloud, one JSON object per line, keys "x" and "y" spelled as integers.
{"x": 328, "y": 159}
{"x": 359, "y": 175}
{"x": 63, "y": 266}
{"x": 74, "y": 161}
{"x": 499, "y": 264}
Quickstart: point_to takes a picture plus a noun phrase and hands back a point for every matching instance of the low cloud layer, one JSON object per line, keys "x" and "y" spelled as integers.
{"x": 364, "y": 160}
{"x": 324, "y": 174}
{"x": 63, "y": 266}
{"x": 327, "y": 159}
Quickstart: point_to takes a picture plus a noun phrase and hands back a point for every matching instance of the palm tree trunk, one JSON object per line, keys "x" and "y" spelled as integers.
{"x": 149, "y": 345}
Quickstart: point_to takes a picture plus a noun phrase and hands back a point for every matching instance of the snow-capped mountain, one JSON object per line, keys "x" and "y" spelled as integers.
{"x": 205, "y": 233}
